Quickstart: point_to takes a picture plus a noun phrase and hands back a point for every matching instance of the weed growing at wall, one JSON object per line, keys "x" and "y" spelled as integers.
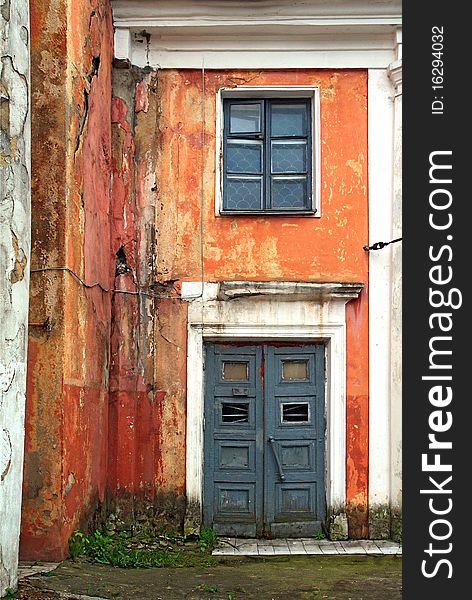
{"x": 138, "y": 549}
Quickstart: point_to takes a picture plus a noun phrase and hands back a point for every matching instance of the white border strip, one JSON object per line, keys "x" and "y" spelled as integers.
{"x": 380, "y": 128}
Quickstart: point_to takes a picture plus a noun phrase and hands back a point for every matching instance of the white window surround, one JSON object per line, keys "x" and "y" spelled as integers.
{"x": 310, "y": 92}
{"x": 269, "y": 311}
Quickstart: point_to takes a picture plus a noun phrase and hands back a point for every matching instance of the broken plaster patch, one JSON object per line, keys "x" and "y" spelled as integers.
{"x": 20, "y": 261}
{"x": 69, "y": 484}
{"x": 5, "y": 454}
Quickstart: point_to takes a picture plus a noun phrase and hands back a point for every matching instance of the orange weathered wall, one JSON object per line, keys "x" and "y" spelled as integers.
{"x": 67, "y": 394}
{"x": 147, "y": 400}
{"x": 298, "y": 248}
{"x": 158, "y": 154}
{"x": 329, "y": 248}
{"x": 107, "y": 363}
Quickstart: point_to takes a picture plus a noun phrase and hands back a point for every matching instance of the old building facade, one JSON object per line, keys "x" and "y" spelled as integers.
{"x": 209, "y": 341}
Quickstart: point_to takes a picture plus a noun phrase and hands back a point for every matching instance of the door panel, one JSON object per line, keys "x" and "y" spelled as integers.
{"x": 294, "y": 430}
{"x": 264, "y": 439}
{"x": 233, "y": 421}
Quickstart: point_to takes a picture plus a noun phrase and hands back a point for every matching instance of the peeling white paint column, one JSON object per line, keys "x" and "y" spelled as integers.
{"x": 395, "y": 74}
{"x": 15, "y": 239}
{"x": 385, "y": 297}
{"x": 380, "y": 132}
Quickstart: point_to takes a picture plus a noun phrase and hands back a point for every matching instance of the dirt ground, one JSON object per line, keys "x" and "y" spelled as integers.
{"x": 280, "y": 578}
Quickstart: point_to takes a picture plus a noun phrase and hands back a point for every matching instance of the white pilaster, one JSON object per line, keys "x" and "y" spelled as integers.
{"x": 395, "y": 74}
{"x": 380, "y": 111}
{"x": 15, "y": 241}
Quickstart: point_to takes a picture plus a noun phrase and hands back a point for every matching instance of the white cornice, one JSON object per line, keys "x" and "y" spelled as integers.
{"x": 256, "y": 34}
{"x": 209, "y": 13}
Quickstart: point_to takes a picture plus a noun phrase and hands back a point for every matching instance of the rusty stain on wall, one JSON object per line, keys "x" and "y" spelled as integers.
{"x": 67, "y": 403}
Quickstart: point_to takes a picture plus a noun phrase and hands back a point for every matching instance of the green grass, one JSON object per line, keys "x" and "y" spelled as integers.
{"x": 140, "y": 552}
{"x": 208, "y": 538}
{"x": 213, "y": 589}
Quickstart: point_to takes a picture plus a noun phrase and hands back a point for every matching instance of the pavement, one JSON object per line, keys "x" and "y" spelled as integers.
{"x": 229, "y": 546}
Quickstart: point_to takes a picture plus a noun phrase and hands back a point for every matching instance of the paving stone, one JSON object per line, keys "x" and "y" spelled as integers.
{"x": 312, "y": 548}
{"x": 281, "y": 550}
{"x": 339, "y": 547}
{"x": 370, "y": 546}
{"x": 355, "y": 549}
{"x": 387, "y": 543}
{"x": 329, "y": 549}
{"x": 249, "y": 549}
{"x": 296, "y": 547}
{"x": 389, "y": 549}
{"x": 266, "y": 550}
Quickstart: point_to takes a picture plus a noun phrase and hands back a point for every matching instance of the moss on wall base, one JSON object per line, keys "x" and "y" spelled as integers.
{"x": 396, "y": 525}
{"x": 385, "y": 523}
{"x": 165, "y": 511}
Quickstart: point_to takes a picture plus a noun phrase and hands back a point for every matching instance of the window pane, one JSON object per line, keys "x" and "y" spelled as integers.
{"x": 244, "y": 118}
{"x": 235, "y": 371}
{"x": 295, "y": 413}
{"x": 235, "y": 413}
{"x": 243, "y": 193}
{"x": 288, "y": 157}
{"x": 289, "y": 192}
{"x": 289, "y": 120}
{"x": 243, "y": 156}
{"x": 294, "y": 370}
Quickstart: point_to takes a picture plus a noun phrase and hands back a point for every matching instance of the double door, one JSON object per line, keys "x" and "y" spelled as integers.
{"x": 264, "y": 439}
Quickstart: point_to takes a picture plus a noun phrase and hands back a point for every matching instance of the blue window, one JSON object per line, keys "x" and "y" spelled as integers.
{"x": 267, "y": 156}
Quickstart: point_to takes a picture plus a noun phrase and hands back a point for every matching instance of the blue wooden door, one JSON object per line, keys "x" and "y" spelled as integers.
{"x": 264, "y": 440}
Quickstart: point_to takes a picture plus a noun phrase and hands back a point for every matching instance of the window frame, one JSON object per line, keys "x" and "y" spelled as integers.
{"x": 243, "y": 94}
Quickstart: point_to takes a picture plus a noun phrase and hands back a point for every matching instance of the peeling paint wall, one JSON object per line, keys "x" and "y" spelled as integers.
{"x": 122, "y": 215}
{"x": 71, "y": 276}
{"x": 273, "y": 248}
{"x": 146, "y": 404}
{"x": 158, "y": 155}
{"x": 15, "y": 240}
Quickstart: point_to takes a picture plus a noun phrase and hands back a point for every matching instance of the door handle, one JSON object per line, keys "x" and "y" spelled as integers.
{"x": 277, "y": 459}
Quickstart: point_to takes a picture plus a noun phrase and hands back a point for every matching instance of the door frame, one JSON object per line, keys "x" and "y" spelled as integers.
{"x": 275, "y": 311}
{"x": 264, "y": 385}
